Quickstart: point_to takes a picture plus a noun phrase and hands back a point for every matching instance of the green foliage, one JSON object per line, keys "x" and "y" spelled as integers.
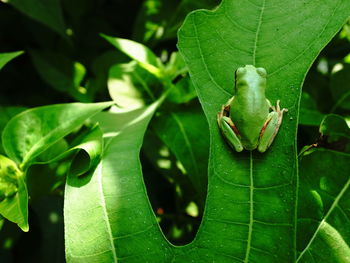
{"x": 47, "y": 12}
{"x": 31, "y": 133}
{"x": 153, "y": 171}
{"x": 324, "y": 211}
{"x": 264, "y": 182}
{"x": 6, "y": 57}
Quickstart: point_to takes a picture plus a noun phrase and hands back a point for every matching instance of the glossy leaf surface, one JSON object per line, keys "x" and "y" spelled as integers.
{"x": 253, "y": 196}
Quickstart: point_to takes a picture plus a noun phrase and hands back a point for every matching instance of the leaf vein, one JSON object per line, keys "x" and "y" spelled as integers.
{"x": 105, "y": 214}
{"x": 251, "y": 207}
{"x": 309, "y": 46}
{"x": 258, "y": 32}
{"x": 204, "y": 62}
{"x": 134, "y": 233}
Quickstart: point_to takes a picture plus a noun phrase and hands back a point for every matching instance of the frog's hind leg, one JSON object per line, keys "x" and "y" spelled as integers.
{"x": 230, "y": 133}
{"x": 271, "y": 127}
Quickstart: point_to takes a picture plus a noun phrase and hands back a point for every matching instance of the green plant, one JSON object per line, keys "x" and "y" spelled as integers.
{"x": 258, "y": 206}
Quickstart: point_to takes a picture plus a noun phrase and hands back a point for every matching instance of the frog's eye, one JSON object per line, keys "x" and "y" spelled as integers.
{"x": 262, "y": 72}
{"x": 241, "y": 71}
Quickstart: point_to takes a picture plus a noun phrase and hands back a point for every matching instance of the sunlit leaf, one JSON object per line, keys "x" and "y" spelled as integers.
{"x": 113, "y": 199}
{"x": 13, "y": 194}
{"x": 142, "y": 54}
{"x": 30, "y": 133}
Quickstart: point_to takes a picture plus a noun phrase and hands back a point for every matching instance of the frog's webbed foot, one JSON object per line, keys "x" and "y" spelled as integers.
{"x": 280, "y": 112}
{"x": 271, "y": 127}
{"x": 278, "y": 108}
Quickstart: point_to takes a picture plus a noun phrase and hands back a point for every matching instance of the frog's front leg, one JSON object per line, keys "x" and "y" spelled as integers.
{"x": 270, "y": 129}
{"x": 228, "y": 128}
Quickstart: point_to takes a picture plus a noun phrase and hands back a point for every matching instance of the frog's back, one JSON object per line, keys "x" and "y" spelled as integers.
{"x": 249, "y": 120}
{"x": 250, "y": 108}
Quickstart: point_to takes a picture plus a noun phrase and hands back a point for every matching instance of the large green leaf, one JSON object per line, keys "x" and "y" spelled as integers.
{"x": 252, "y": 196}
{"x": 324, "y": 207}
{"x": 47, "y": 12}
{"x": 107, "y": 214}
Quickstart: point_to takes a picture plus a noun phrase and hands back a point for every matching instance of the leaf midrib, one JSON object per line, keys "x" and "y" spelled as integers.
{"x": 105, "y": 213}
{"x": 257, "y": 33}
{"x": 251, "y": 207}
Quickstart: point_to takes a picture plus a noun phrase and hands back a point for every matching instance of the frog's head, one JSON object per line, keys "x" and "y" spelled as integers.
{"x": 250, "y": 70}
{"x": 250, "y": 76}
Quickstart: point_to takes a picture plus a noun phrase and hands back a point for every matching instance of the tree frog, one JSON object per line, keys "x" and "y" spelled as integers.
{"x": 248, "y": 120}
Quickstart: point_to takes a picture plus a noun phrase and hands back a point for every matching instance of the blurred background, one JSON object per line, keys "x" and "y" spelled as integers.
{"x": 65, "y": 59}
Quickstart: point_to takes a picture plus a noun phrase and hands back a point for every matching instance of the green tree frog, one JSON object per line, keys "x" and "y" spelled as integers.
{"x": 248, "y": 120}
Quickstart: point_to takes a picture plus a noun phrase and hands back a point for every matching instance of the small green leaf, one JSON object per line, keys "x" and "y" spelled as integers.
{"x": 334, "y": 126}
{"x": 142, "y": 54}
{"x": 13, "y": 194}
{"x": 6, "y": 57}
{"x": 30, "y": 133}
{"x": 176, "y": 66}
{"x": 61, "y": 73}
{"x": 126, "y": 83}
